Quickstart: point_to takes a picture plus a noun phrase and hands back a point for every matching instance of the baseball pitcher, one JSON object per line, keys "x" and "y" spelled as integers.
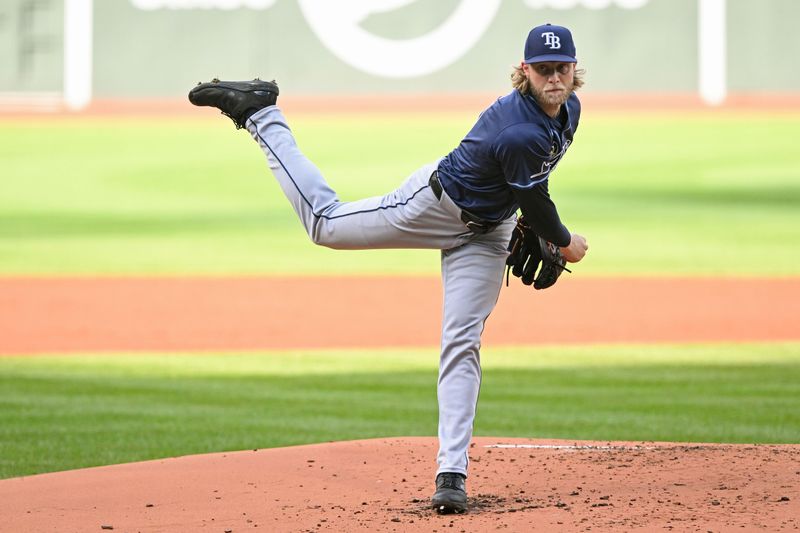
{"x": 464, "y": 204}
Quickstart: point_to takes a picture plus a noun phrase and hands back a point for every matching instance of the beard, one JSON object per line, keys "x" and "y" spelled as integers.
{"x": 559, "y": 98}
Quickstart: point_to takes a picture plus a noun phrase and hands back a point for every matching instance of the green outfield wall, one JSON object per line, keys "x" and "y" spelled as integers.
{"x": 31, "y": 45}
{"x": 157, "y": 48}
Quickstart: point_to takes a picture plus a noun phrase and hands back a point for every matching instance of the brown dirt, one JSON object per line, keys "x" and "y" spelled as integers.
{"x": 322, "y": 104}
{"x": 115, "y": 314}
{"x": 384, "y": 485}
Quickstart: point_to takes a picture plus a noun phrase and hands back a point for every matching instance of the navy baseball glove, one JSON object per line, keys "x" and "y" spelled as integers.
{"x": 526, "y": 251}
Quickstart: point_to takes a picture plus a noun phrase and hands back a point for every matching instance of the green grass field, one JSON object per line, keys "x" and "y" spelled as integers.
{"x": 69, "y": 412}
{"x": 704, "y": 194}
{"x": 661, "y": 194}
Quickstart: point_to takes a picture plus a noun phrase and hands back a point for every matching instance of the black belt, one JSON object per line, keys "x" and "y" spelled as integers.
{"x": 474, "y": 223}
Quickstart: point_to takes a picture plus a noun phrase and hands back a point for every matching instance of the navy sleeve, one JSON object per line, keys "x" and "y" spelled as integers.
{"x": 541, "y": 214}
{"x": 523, "y": 158}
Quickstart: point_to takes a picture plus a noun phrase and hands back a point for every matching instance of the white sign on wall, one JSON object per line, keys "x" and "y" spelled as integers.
{"x": 338, "y": 26}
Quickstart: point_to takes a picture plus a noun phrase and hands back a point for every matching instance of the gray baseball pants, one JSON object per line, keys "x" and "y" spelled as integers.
{"x": 409, "y": 217}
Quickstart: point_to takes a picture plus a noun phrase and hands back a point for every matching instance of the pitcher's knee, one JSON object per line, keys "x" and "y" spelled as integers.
{"x": 338, "y": 233}
{"x": 319, "y": 239}
{"x": 322, "y": 235}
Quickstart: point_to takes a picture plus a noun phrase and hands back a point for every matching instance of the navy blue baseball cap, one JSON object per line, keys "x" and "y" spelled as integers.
{"x": 550, "y": 43}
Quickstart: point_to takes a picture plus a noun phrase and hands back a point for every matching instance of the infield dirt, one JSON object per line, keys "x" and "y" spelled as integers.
{"x": 55, "y": 315}
{"x": 385, "y": 485}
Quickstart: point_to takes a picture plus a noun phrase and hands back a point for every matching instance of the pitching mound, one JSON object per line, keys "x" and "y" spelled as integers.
{"x": 385, "y": 484}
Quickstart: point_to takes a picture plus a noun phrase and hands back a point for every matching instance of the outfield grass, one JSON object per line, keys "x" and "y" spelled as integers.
{"x": 68, "y": 412}
{"x": 698, "y": 194}
{"x": 707, "y": 193}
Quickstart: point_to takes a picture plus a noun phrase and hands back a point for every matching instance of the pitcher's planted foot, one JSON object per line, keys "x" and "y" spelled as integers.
{"x": 451, "y": 493}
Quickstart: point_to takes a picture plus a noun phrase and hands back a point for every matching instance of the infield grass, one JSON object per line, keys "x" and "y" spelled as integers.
{"x": 64, "y": 412}
{"x": 700, "y": 194}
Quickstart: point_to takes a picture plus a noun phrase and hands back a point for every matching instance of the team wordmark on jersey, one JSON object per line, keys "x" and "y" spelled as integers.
{"x": 550, "y": 164}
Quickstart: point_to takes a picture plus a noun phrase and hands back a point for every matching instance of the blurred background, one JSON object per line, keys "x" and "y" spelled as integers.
{"x": 686, "y": 148}
{"x": 85, "y": 50}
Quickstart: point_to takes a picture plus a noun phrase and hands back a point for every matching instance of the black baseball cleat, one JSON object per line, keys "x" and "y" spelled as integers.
{"x": 236, "y": 99}
{"x": 451, "y": 493}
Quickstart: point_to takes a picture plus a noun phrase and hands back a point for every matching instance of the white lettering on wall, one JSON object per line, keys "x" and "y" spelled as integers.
{"x": 150, "y": 5}
{"x": 337, "y": 24}
{"x": 588, "y": 4}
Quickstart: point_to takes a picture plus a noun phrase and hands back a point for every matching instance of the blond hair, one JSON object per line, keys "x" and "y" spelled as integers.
{"x": 521, "y": 83}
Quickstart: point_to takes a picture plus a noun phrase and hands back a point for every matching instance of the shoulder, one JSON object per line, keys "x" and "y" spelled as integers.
{"x": 525, "y": 124}
{"x": 574, "y": 110}
{"x": 574, "y": 103}
{"x": 523, "y": 132}
{"x": 520, "y": 113}
{"x": 501, "y": 111}
{"x": 516, "y": 124}
{"x": 523, "y": 136}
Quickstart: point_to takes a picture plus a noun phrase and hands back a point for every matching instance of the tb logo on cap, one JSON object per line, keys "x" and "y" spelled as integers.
{"x": 552, "y": 40}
